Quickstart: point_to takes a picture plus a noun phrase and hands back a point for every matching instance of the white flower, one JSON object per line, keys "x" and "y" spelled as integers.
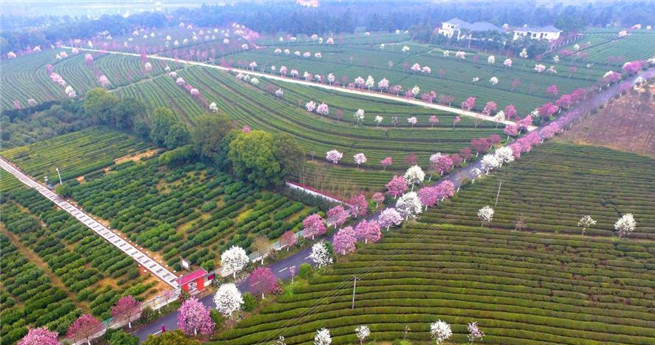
{"x": 228, "y": 299}
{"x": 440, "y": 331}
{"x": 409, "y": 205}
{"x": 320, "y": 255}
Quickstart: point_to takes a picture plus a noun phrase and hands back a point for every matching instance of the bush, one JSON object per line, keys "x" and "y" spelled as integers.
{"x": 217, "y": 318}
{"x": 249, "y": 302}
{"x": 304, "y": 271}
{"x": 123, "y": 338}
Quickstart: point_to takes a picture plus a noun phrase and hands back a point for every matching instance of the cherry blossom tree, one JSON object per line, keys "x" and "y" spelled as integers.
{"x": 359, "y": 116}
{"x": 126, "y": 308}
{"x": 288, "y": 240}
{"x": 440, "y": 331}
{"x": 611, "y": 77}
{"x": 40, "y": 336}
{"x": 493, "y": 81}
{"x": 586, "y": 222}
{"x": 310, "y": 106}
{"x": 475, "y": 333}
{"x": 370, "y": 82}
{"x": 504, "y": 155}
{"x": 336, "y": 216}
{"x": 539, "y": 68}
{"x": 193, "y": 318}
{"x": 359, "y": 82}
{"x": 414, "y": 175}
{"x": 390, "y": 217}
{"x": 234, "y": 260}
{"x": 434, "y": 120}
{"x": 480, "y": 145}
{"x": 320, "y": 254}
{"x": 416, "y": 67}
{"x": 322, "y": 337}
{"x": 489, "y": 162}
{"x": 386, "y": 162}
{"x": 323, "y": 109}
{"x": 378, "y": 120}
{"x": 292, "y": 272}
{"x": 333, "y": 156}
{"x": 360, "y": 159}
{"x": 625, "y": 225}
{"x": 546, "y": 110}
{"x": 412, "y": 120}
{"x": 552, "y": 90}
{"x": 313, "y": 226}
{"x": 344, "y": 241}
{"x": 228, "y": 299}
{"x": 377, "y": 198}
{"x": 428, "y": 197}
{"x": 468, "y": 104}
{"x": 397, "y": 186}
{"x": 409, "y": 205}
{"x": 511, "y": 130}
{"x": 358, "y": 206}
{"x": 486, "y": 215}
{"x": 491, "y": 60}
{"x": 383, "y": 84}
{"x": 465, "y": 153}
{"x": 262, "y": 280}
{"x": 368, "y": 231}
{"x": 84, "y": 328}
{"x": 362, "y": 332}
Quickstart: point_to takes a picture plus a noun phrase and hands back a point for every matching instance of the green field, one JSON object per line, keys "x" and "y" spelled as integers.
{"x": 546, "y": 285}
{"x": 601, "y": 44}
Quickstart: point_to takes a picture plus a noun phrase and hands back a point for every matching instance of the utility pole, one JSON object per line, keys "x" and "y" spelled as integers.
{"x": 498, "y": 194}
{"x": 58, "y": 173}
{"x": 354, "y": 287}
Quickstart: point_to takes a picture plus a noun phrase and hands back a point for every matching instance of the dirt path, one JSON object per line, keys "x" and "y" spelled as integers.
{"x": 136, "y": 157}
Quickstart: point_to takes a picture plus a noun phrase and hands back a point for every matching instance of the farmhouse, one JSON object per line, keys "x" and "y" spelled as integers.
{"x": 549, "y": 32}
{"x": 464, "y": 29}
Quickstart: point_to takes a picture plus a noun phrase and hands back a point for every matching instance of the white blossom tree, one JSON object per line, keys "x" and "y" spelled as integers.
{"x": 234, "y": 260}
{"x": 378, "y": 119}
{"x": 586, "y": 222}
{"x": 625, "y": 225}
{"x": 414, "y": 175}
{"x": 322, "y": 337}
{"x": 362, "y": 332}
{"x": 409, "y": 205}
{"x": 370, "y": 82}
{"x": 320, "y": 255}
{"x": 475, "y": 173}
{"x": 213, "y": 107}
{"x": 359, "y": 115}
{"x": 486, "y": 215}
{"x": 228, "y": 299}
{"x": 475, "y": 333}
{"x": 504, "y": 155}
{"x": 390, "y": 217}
{"x": 440, "y": 331}
{"x": 489, "y": 162}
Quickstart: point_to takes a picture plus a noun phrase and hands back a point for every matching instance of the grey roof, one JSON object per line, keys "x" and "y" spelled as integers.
{"x": 548, "y": 28}
{"x": 456, "y": 21}
{"x": 482, "y": 26}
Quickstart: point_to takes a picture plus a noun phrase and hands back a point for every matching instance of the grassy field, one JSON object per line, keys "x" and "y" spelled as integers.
{"x": 604, "y": 46}
{"x": 544, "y": 285}
{"x": 55, "y": 268}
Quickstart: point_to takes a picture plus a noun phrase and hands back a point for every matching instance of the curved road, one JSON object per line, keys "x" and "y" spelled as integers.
{"x": 280, "y": 268}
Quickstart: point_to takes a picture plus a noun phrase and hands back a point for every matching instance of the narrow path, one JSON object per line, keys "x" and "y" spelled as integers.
{"x": 367, "y": 93}
{"x": 141, "y": 258}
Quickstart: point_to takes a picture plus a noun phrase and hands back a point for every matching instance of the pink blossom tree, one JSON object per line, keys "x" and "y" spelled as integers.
{"x": 411, "y": 159}
{"x": 456, "y": 120}
{"x": 386, "y": 162}
{"x": 344, "y": 241}
{"x": 552, "y": 90}
{"x": 368, "y": 231}
{"x": 564, "y": 101}
{"x": 84, "y": 328}
{"x": 334, "y": 156}
{"x": 323, "y": 109}
{"x": 358, "y": 206}
{"x": 40, "y": 336}
{"x": 434, "y": 120}
{"x": 397, "y": 186}
{"x": 193, "y": 318}
{"x": 525, "y": 122}
{"x": 377, "y": 198}
{"x": 390, "y": 217}
{"x": 360, "y": 159}
{"x": 336, "y": 216}
{"x": 468, "y": 104}
{"x": 465, "y": 153}
{"x": 313, "y": 226}
{"x": 127, "y": 308}
{"x": 457, "y": 159}
{"x": 510, "y": 111}
{"x": 547, "y": 110}
{"x": 490, "y": 108}
{"x": 262, "y": 280}
{"x": 288, "y": 240}
{"x": 428, "y": 196}
{"x": 511, "y": 130}
{"x": 480, "y": 145}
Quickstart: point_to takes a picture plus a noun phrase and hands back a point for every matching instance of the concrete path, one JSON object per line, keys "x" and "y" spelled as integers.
{"x": 141, "y": 258}
{"x": 373, "y": 94}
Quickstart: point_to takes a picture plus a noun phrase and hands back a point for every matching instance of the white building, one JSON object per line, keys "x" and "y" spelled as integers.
{"x": 547, "y": 32}
{"x": 462, "y": 29}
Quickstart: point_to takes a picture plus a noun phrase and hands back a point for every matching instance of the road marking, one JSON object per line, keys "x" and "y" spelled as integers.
{"x": 282, "y": 270}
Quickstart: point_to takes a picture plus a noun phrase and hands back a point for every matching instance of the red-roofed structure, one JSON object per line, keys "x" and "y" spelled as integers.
{"x": 193, "y": 282}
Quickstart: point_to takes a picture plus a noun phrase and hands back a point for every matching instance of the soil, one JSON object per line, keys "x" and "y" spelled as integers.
{"x": 625, "y": 124}
{"x": 136, "y": 157}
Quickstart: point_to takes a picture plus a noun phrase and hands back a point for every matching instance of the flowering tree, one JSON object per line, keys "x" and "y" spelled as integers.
{"x": 320, "y": 254}
{"x": 383, "y": 84}
{"x": 489, "y": 162}
{"x": 358, "y": 206}
{"x": 490, "y": 108}
{"x": 434, "y": 120}
{"x": 397, "y": 186}
{"x": 360, "y": 159}
{"x": 323, "y": 109}
{"x": 359, "y": 82}
{"x": 362, "y": 332}
{"x": 368, "y": 231}
{"x": 84, "y": 328}
{"x": 377, "y": 198}
{"x": 552, "y": 90}
{"x": 310, "y": 106}
{"x": 336, "y": 216}
{"x": 322, "y": 337}
{"x": 359, "y": 116}
{"x": 547, "y": 110}
{"x": 263, "y": 280}
{"x": 586, "y": 222}
{"x": 390, "y": 217}
{"x": 440, "y": 331}
{"x": 468, "y": 104}
{"x": 193, "y": 318}
{"x": 460, "y": 55}
{"x": 414, "y": 175}
{"x": 486, "y": 215}
{"x": 491, "y": 60}
{"x": 126, "y": 309}
{"x": 386, "y": 162}
{"x": 428, "y": 196}
{"x": 475, "y": 333}
{"x": 344, "y": 241}
{"x": 625, "y": 225}
{"x": 288, "y": 240}
{"x": 539, "y": 68}
{"x": 480, "y": 145}
{"x": 313, "y": 226}
{"x": 370, "y": 82}
{"x": 416, "y": 67}
{"x": 412, "y": 120}
{"x": 40, "y": 336}
{"x": 228, "y": 299}
{"x": 465, "y": 153}
{"x": 511, "y": 130}
{"x": 409, "y": 205}
{"x": 234, "y": 260}
{"x": 334, "y": 156}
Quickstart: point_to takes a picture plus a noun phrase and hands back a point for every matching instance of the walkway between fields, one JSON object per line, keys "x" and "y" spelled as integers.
{"x": 141, "y": 258}
{"x": 367, "y": 93}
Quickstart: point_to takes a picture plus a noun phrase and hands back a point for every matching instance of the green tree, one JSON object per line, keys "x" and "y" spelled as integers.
{"x": 99, "y": 104}
{"x": 126, "y": 113}
{"x": 170, "y": 338}
{"x": 253, "y": 158}
{"x": 162, "y": 120}
{"x": 209, "y": 133}
{"x": 63, "y": 190}
{"x": 290, "y": 155}
{"x": 178, "y": 135}
{"x": 123, "y": 338}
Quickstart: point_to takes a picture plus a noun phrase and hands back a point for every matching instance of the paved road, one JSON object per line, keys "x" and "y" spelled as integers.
{"x": 367, "y": 93}
{"x": 140, "y": 257}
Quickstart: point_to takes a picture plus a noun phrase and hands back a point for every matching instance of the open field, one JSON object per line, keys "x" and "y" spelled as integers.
{"x": 546, "y": 285}
{"x": 604, "y": 46}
